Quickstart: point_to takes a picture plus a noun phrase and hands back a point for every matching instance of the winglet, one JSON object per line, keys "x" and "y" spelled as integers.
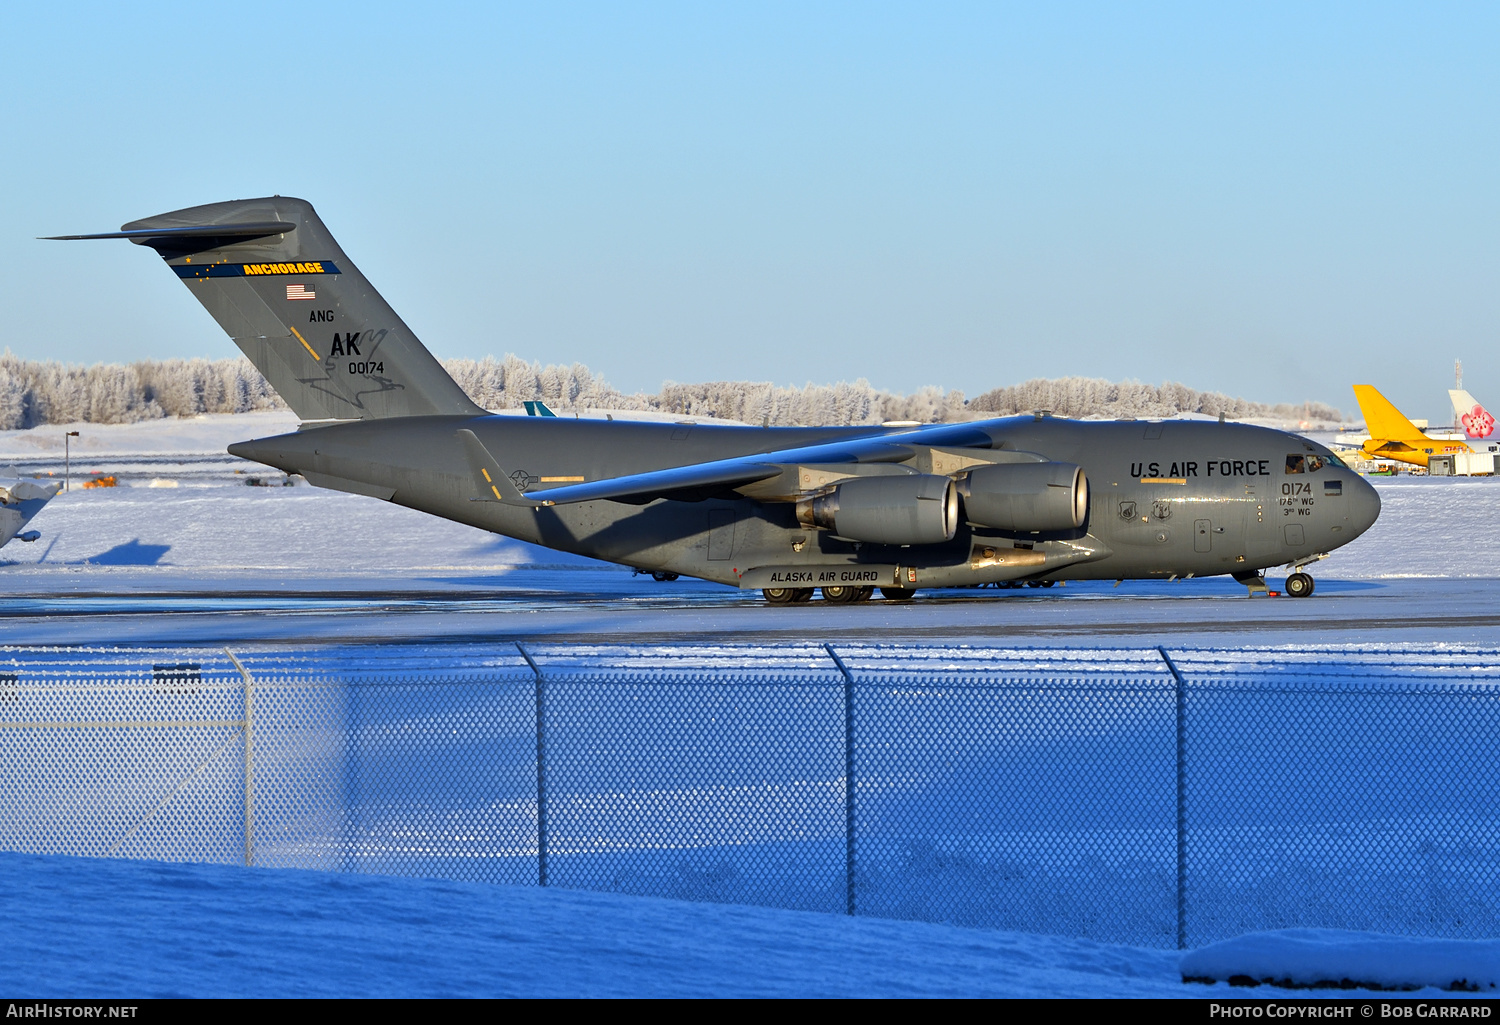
{"x": 489, "y": 480}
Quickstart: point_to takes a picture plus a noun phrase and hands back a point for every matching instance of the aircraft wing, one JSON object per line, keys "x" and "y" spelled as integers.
{"x": 883, "y": 447}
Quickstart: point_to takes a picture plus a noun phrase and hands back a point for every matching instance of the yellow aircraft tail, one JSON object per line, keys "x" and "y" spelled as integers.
{"x": 1383, "y": 420}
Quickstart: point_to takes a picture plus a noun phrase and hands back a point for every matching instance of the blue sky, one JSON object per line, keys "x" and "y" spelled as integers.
{"x": 1272, "y": 200}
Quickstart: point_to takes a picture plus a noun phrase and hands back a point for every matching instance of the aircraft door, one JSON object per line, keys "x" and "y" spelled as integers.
{"x": 1203, "y": 532}
{"x": 1262, "y": 546}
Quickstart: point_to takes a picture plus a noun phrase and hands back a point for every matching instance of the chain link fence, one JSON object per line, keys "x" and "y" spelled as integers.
{"x": 1146, "y": 796}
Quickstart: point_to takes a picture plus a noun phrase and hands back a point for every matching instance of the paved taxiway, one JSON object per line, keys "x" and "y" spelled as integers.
{"x": 577, "y": 605}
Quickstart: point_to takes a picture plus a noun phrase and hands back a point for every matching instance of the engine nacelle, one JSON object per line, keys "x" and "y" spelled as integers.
{"x": 917, "y": 509}
{"x": 1026, "y": 497}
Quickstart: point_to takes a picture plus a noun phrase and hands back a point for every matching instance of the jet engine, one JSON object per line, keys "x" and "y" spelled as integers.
{"x": 1026, "y": 497}
{"x": 915, "y": 509}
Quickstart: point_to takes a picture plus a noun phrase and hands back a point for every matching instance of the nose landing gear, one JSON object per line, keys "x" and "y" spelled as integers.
{"x": 1299, "y": 585}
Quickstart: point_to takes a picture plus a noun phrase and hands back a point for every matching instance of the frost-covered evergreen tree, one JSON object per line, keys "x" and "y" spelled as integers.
{"x": 33, "y": 393}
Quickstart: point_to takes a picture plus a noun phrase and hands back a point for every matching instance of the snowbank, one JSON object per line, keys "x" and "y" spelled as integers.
{"x": 78, "y": 928}
{"x": 208, "y": 434}
{"x": 1333, "y": 957}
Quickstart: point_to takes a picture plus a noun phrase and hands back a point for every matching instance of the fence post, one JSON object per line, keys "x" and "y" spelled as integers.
{"x": 249, "y": 759}
{"x": 1179, "y": 690}
{"x": 848, "y": 777}
{"x": 541, "y": 768}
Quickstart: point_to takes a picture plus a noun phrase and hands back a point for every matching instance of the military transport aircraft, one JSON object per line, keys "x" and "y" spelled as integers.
{"x": 787, "y": 510}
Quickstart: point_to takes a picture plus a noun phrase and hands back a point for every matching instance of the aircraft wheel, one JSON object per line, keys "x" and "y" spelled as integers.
{"x": 841, "y": 595}
{"x": 1048, "y": 583}
{"x": 779, "y": 595}
{"x": 1033, "y": 583}
{"x": 662, "y": 576}
{"x": 801, "y": 595}
{"x": 1299, "y": 585}
{"x": 898, "y": 593}
{"x": 864, "y": 593}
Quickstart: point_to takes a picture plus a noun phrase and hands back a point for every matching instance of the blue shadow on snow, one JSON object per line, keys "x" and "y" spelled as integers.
{"x": 131, "y": 553}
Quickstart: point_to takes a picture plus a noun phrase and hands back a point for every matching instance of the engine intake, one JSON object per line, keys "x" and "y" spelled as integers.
{"x": 919, "y": 509}
{"x": 1026, "y": 497}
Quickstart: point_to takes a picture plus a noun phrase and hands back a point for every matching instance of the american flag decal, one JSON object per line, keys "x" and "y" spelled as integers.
{"x": 300, "y": 292}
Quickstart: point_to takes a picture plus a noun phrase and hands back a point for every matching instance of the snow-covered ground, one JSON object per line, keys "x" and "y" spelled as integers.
{"x": 98, "y": 929}
{"x": 182, "y": 522}
{"x": 182, "y": 508}
{"x": 1306, "y": 957}
{"x": 213, "y": 549}
{"x": 207, "y": 435}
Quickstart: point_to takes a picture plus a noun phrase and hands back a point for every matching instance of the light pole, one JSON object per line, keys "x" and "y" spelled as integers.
{"x": 68, "y": 461}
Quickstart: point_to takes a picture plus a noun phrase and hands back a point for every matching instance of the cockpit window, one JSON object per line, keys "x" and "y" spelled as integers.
{"x": 1295, "y": 464}
{"x": 1334, "y": 460}
{"x": 1314, "y": 464}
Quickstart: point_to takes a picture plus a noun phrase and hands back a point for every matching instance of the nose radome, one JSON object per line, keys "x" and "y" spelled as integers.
{"x": 1364, "y": 510}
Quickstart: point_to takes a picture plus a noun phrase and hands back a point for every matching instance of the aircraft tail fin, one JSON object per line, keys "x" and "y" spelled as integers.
{"x": 1476, "y": 421}
{"x": 1383, "y": 420}
{"x": 538, "y": 409}
{"x": 273, "y": 277}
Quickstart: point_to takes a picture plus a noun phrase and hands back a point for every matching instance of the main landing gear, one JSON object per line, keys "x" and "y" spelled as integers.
{"x": 787, "y": 595}
{"x": 843, "y": 595}
{"x": 835, "y": 595}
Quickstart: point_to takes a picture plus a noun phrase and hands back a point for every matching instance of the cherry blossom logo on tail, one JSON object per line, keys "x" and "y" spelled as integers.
{"x": 1478, "y": 422}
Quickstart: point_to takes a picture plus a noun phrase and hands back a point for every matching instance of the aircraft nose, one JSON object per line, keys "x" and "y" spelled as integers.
{"x": 1364, "y": 505}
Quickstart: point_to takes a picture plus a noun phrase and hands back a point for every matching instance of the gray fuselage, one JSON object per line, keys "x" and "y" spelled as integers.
{"x": 1167, "y": 498}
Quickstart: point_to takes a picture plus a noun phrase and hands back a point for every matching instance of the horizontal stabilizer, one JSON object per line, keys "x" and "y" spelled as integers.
{"x": 193, "y": 238}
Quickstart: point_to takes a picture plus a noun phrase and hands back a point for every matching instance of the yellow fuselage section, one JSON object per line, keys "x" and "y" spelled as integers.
{"x": 1417, "y": 453}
